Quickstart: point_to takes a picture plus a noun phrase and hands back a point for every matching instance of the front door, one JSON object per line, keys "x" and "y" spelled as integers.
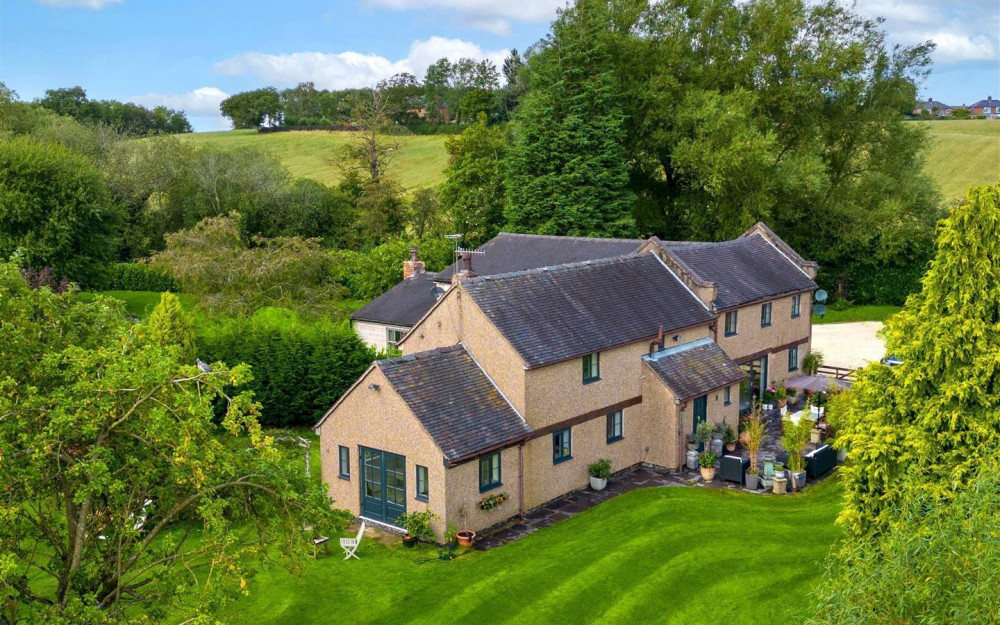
{"x": 383, "y": 485}
{"x": 752, "y": 389}
{"x": 700, "y": 412}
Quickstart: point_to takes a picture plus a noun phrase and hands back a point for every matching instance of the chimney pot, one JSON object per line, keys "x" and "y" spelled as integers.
{"x": 466, "y": 271}
{"x": 413, "y": 266}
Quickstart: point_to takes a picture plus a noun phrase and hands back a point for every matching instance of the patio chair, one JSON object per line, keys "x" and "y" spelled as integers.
{"x": 350, "y": 545}
{"x": 734, "y": 468}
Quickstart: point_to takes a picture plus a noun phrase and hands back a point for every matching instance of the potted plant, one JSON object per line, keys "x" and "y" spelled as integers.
{"x": 742, "y": 428}
{"x": 812, "y": 362}
{"x": 729, "y": 438}
{"x": 692, "y": 442}
{"x": 781, "y": 396}
{"x": 794, "y": 439}
{"x": 465, "y": 537}
{"x": 599, "y": 471}
{"x": 755, "y": 431}
{"x": 451, "y": 537}
{"x": 707, "y": 463}
{"x": 717, "y": 431}
{"x": 417, "y": 525}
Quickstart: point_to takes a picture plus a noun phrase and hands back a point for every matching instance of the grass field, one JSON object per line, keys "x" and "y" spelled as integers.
{"x": 962, "y": 153}
{"x": 857, "y": 313}
{"x": 659, "y": 555}
{"x": 419, "y": 162}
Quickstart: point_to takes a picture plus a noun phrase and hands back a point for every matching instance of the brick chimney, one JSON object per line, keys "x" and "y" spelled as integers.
{"x": 413, "y": 266}
{"x": 466, "y": 271}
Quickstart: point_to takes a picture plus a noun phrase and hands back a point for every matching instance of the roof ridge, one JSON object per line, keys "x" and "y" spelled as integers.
{"x": 565, "y": 237}
{"x": 420, "y": 355}
{"x": 555, "y": 269}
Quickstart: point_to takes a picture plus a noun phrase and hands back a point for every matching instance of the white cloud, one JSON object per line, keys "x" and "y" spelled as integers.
{"x": 96, "y": 5}
{"x": 342, "y": 70}
{"x": 203, "y": 101}
{"x": 492, "y": 15}
{"x": 964, "y": 30}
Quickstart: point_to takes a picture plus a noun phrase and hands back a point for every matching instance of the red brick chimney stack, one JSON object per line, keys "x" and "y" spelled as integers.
{"x": 413, "y": 266}
{"x": 466, "y": 271}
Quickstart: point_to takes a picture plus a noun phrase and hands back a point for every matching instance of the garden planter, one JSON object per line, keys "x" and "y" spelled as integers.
{"x": 466, "y": 538}
{"x": 814, "y": 435}
{"x": 693, "y": 446}
{"x": 780, "y": 485}
{"x": 598, "y": 483}
{"x": 708, "y": 474}
{"x": 752, "y": 481}
{"x": 730, "y": 446}
{"x": 692, "y": 460}
{"x": 841, "y": 455}
{"x": 410, "y": 541}
{"x": 798, "y": 479}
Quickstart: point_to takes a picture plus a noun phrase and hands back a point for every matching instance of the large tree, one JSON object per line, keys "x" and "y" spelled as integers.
{"x": 122, "y": 499}
{"x": 934, "y": 418}
{"x": 55, "y": 210}
{"x": 568, "y": 170}
{"x": 253, "y": 109}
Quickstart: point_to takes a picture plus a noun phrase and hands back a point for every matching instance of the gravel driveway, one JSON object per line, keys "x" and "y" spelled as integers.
{"x": 849, "y": 344}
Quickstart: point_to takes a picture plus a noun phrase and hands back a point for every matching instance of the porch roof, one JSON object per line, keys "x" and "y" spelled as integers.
{"x": 694, "y": 368}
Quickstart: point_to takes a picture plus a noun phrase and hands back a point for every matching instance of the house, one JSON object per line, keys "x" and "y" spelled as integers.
{"x": 384, "y": 320}
{"x": 512, "y": 383}
{"x": 933, "y": 108}
{"x": 988, "y": 107}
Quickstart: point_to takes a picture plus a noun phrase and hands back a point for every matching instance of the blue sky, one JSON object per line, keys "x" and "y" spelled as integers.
{"x": 191, "y": 54}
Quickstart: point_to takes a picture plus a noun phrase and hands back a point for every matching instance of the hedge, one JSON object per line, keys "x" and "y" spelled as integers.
{"x": 866, "y": 284}
{"x": 299, "y": 370}
{"x": 137, "y": 277}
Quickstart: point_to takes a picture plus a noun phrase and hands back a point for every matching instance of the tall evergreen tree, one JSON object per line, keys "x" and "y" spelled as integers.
{"x": 567, "y": 169}
{"x": 935, "y": 416}
{"x": 169, "y": 326}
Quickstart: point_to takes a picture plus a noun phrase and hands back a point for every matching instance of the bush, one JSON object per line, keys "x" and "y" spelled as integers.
{"x": 885, "y": 285}
{"x": 299, "y": 370}
{"x": 137, "y": 277}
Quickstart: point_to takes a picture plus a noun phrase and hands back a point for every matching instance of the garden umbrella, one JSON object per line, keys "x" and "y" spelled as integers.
{"x": 816, "y": 383}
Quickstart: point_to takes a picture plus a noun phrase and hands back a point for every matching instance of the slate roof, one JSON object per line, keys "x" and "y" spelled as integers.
{"x": 694, "y": 368}
{"x": 455, "y": 401}
{"x": 556, "y": 313}
{"x": 932, "y": 104}
{"x": 508, "y": 252}
{"x": 745, "y": 270}
{"x": 990, "y": 102}
{"x": 403, "y": 304}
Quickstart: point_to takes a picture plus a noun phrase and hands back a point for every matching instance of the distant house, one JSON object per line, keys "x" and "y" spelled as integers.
{"x": 512, "y": 383}
{"x": 933, "y": 108}
{"x": 988, "y": 107}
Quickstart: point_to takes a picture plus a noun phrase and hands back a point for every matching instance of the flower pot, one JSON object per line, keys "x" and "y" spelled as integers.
{"x": 466, "y": 538}
{"x": 752, "y": 481}
{"x": 731, "y": 446}
{"x": 708, "y": 473}
{"x": 798, "y": 479}
{"x": 780, "y": 485}
{"x": 410, "y": 541}
{"x": 693, "y": 446}
{"x": 598, "y": 483}
{"x": 814, "y": 435}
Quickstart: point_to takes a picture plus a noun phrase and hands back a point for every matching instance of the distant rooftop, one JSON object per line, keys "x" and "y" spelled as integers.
{"x": 403, "y": 304}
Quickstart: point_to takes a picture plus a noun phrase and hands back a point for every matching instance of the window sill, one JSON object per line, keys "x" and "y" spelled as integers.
{"x": 729, "y": 334}
{"x": 727, "y": 403}
{"x": 485, "y": 487}
{"x": 421, "y": 498}
{"x": 591, "y": 380}
{"x": 790, "y": 369}
{"x": 346, "y": 478}
{"x": 561, "y": 460}
{"x": 765, "y": 325}
{"x": 615, "y": 439}
{"x": 796, "y": 316}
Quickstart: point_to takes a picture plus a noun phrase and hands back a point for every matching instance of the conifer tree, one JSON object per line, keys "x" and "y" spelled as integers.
{"x": 170, "y": 326}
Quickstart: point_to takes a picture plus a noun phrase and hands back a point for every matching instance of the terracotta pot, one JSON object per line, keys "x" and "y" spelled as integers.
{"x": 466, "y": 538}
{"x": 708, "y": 474}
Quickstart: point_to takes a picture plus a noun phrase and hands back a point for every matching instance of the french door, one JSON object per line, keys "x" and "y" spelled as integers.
{"x": 383, "y": 485}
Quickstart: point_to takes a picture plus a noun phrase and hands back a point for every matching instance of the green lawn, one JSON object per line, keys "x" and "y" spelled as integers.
{"x": 659, "y": 555}
{"x": 419, "y": 162}
{"x": 962, "y": 153}
{"x": 857, "y": 313}
{"x": 140, "y": 303}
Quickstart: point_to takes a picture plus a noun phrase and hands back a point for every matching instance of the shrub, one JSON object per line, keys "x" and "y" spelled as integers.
{"x": 600, "y": 469}
{"x": 418, "y": 524}
{"x": 885, "y": 285}
{"x": 812, "y": 362}
{"x": 137, "y": 277}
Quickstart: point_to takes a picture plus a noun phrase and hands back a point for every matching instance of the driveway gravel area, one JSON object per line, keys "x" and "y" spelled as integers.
{"x": 849, "y": 345}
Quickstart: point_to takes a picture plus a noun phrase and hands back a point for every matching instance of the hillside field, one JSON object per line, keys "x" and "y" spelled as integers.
{"x": 419, "y": 162}
{"x": 961, "y": 154}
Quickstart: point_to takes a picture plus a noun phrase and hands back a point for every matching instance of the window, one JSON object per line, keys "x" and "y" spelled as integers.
{"x": 731, "y": 323}
{"x": 615, "y": 426}
{"x": 562, "y": 446}
{"x": 765, "y": 315}
{"x": 394, "y": 335}
{"x": 421, "y": 483}
{"x": 591, "y": 368}
{"x": 796, "y": 305}
{"x": 345, "y": 462}
{"x": 489, "y": 472}
{"x": 793, "y": 358}
{"x": 726, "y": 400}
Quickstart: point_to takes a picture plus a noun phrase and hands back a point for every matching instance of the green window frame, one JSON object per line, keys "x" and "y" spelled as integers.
{"x": 731, "y": 320}
{"x": 422, "y": 489}
{"x": 796, "y": 305}
{"x": 765, "y": 315}
{"x": 615, "y": 426}
{"x": 793, "y": 358}
{"x": 591, "y": 367}
{"x": 345, "y": 462}
{"x": 726, "y": 396}
{"x": 562, "y": 445}
{"x": 489, "y": 472}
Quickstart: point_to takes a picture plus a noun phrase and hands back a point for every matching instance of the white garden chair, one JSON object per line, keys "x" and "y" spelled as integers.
{"x": 350, "y": 545}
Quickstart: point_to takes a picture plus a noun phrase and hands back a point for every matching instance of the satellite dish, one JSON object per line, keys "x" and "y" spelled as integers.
{"x": 821, "y": 295}
{"x": 437, "y": 292}
{"x": 819, "y": 309}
